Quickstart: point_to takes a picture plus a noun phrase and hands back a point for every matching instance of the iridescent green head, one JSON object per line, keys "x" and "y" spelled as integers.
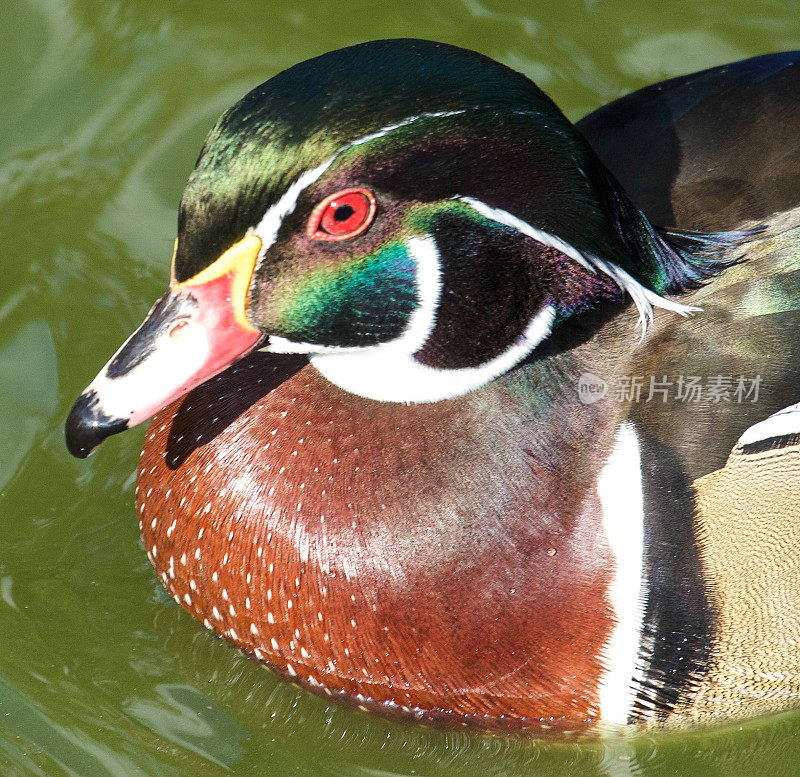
{"x": 416, "y": 217}
{"x": 415, "y": 195}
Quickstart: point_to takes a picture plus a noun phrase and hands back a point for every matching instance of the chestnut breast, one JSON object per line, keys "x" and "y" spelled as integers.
{"x": 415, "y": 559}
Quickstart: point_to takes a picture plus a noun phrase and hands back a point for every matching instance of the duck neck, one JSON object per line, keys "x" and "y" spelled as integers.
{"x": 397, "y": 555}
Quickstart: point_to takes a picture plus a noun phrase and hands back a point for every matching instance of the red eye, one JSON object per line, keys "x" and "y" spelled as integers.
{"x": 342, "y": 215}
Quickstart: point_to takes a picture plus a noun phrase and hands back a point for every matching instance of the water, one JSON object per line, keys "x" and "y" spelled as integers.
{"x": 105, "y": 105}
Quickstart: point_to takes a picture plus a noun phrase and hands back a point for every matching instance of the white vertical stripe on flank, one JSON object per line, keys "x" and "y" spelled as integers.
{"x": 619, "y": 487}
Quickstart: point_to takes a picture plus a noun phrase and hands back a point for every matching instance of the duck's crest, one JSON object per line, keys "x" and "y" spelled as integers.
{"x": 672, "y": 261}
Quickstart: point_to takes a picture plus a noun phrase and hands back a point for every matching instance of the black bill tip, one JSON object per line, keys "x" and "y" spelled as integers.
{"x": 87, "y": 426}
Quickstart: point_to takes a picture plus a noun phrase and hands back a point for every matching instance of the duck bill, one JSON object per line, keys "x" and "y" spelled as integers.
{"x": 196, "y": 330}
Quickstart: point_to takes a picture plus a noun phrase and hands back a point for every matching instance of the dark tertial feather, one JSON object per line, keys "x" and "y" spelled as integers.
{"x": 669, "y": 261}
{"x": 709, "y": 150}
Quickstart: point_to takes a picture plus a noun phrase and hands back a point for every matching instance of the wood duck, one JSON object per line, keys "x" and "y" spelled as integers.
{"x": 398, "y": 453}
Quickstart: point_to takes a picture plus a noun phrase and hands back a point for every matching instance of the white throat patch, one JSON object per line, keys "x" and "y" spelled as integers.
{"x": 389, "y": 372}
{"x": 389, "y": 375}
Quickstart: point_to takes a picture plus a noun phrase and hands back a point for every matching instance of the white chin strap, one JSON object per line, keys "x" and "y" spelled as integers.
{"x": 390, "y": 373}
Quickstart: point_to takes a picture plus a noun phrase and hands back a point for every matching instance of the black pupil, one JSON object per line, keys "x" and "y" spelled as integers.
{"x": 343, "y": 212}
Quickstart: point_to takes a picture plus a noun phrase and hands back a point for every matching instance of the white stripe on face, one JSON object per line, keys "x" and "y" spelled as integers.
{"x": 390, "y": 373}
{"x": 421, "y": 320}
{"x": 267, "y": 229}
{"x": 644, "y": 299}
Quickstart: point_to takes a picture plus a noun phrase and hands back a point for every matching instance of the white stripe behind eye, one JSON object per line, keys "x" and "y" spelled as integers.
{"x": 644, "y": 299}
{"x": 510, "y": 220}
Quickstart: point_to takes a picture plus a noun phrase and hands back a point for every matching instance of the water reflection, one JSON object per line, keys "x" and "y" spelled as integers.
{"x": 188, "y": 718}
{"x": 285, "y": 721}
{"x": 29, "y": 383}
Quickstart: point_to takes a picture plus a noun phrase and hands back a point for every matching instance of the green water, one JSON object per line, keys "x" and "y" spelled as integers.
{"x": 104, "y": 107}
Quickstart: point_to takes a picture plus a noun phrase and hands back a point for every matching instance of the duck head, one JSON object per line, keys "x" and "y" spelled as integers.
{"x": 415, "y": 217}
